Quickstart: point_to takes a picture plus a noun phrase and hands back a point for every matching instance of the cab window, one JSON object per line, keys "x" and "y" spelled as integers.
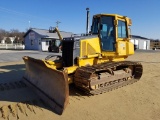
{"x": 122, "y": 33}
{"x": 95, "y": 26}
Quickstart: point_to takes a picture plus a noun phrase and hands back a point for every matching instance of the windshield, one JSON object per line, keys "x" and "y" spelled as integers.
{"x": 105, "y": 26}
{"x": 107, "y": 33}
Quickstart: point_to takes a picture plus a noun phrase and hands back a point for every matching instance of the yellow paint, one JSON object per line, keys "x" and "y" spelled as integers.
{"x": 70, "y": 79}
{"x": 90, "y": 49}
{"x": 71, "y": 69}
{"x": 130, "y": 48}
{"x": 52, "y": 64}
{"x": 86, "y": 61}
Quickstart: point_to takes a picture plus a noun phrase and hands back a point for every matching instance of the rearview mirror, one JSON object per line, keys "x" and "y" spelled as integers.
{"x": 129, "y": 32}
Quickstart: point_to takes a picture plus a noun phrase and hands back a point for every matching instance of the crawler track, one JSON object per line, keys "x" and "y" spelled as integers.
{"x": 104, "y": 77}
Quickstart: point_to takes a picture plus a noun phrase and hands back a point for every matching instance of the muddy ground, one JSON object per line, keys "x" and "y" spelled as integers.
{"x": 139, "y": 101}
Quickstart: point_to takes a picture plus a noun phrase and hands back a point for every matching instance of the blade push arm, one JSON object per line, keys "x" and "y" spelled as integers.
{"x": 55, "y": 29}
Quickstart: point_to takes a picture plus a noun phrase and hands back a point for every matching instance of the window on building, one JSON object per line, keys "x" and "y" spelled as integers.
{"x": 122, "y": 33}
{"x": 31, "y": 42}
{"x": 39, "y": 42}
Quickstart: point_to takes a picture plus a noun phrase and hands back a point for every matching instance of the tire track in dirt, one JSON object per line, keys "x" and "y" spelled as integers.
{"x": 24, "y": 107}
{"x": 12, "y": 85}
{"x": 23, "y": 104}
{"x": 77, "y": 95}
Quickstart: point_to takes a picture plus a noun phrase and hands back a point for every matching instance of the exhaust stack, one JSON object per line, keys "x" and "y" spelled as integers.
{"x": 87, "y": 25}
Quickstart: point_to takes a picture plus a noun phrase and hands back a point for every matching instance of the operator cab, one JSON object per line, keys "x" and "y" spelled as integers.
{"x": 105, "y": 27}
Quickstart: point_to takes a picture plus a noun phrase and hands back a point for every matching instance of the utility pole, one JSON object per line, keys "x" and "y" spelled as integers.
{"x": 57, "y": 23}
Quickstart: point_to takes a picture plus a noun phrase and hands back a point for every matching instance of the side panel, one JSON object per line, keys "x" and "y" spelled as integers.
{"x": 90, "y": 47}
{"x": 130, "y": 48}
{"x": 125, "y": 48}
{"x": 121, "y": 48}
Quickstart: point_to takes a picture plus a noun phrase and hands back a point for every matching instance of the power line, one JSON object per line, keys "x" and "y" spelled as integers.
{"x": 21, "y": 14}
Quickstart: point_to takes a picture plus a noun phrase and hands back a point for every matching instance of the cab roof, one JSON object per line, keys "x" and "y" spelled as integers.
{"x": 104, "y": 14}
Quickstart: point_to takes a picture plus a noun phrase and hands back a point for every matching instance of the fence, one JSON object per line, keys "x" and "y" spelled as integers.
{"x": 12, "y": 46}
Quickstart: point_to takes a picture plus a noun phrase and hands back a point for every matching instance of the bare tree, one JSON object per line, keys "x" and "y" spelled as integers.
{"x": 2, "y": 34}
{"x": 12, "y": 33}
{"x": 8, "y": 40}
{"x": 18, "y": 35}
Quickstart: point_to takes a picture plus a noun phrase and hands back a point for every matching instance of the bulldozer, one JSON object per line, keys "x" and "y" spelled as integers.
{"x": 94, "y": 63}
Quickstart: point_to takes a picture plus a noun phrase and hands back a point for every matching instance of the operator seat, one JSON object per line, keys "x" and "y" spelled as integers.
{"x": 108, "y": 42}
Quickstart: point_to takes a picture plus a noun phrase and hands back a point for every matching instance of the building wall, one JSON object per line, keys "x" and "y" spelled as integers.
{"x": 148, "y": 45}
{"x": 144, "y": 44}
{"x": 141, "y": 43}
{"x": 33, "y": 41}
{"x": 45, "y": 44}
{"x": 3, "y": 41}
{"x": 38, "y": 39}
{"x": 155, "y": 44}
{"x": 134, "y": 41}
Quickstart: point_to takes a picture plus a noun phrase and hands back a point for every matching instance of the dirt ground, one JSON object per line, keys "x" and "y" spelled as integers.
{"x": 139, "y": 101}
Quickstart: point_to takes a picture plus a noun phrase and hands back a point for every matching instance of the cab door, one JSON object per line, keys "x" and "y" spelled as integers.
{"x": 121, "y": 36}
{"x": 107, "y": 34}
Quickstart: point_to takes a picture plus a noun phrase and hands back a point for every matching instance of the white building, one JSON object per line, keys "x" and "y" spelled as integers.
{"x": 4, "y": 40}
{"x": 38, "y": 39}
{"x": 141, "y": 42}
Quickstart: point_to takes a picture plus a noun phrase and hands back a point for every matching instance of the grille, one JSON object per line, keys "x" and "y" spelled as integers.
{"x": 67, "y": 52}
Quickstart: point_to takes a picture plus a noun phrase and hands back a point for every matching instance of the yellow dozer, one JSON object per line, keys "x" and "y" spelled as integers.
{"x": 95, "y": 63}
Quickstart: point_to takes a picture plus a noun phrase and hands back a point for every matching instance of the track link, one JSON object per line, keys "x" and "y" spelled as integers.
{"x": 101, "y": 78}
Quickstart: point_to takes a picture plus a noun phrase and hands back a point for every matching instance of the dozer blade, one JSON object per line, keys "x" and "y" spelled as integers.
{"x": 50, "y": 84}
